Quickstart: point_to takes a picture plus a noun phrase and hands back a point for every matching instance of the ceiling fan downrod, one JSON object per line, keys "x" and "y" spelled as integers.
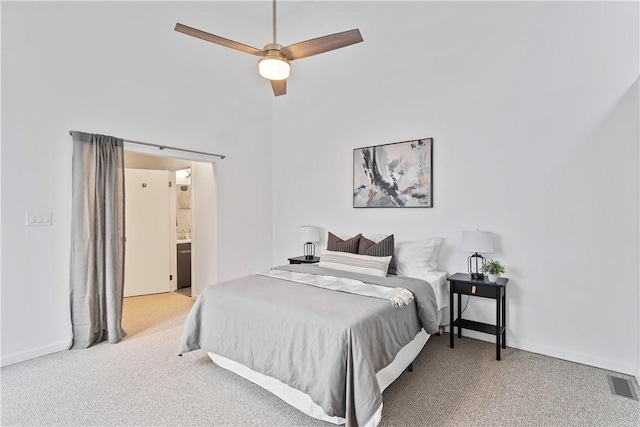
{"x": 274, "y": 22}
{"x": 274, "y": 65}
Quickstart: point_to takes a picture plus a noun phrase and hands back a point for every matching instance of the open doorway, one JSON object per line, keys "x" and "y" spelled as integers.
{"x": 184, "y": 223}
{"x": 170, "y": 217}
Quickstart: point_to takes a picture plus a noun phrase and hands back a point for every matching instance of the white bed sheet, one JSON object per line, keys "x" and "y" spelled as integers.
{"x": 385, "y": 377}
{"x": 438, "y": 280}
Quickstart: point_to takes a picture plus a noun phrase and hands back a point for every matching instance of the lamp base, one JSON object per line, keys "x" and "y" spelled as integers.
{"x": 309, "y": 250}
{"x": 474, "y": 265}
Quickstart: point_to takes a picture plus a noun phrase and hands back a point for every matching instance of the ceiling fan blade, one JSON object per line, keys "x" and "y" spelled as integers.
{"x": 218, "y": 40}
{"x": 321, "y": 44}
{"x": 279, "y": 87}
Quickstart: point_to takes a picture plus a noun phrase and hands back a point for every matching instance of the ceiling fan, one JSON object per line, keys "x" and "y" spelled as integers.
{"x": 274, "y": 58}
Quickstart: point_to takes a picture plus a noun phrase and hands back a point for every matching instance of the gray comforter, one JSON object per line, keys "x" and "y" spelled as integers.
{"x": 327, "y": 344}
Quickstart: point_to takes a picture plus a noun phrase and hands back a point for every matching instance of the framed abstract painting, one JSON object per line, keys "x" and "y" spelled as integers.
{"x": 397, "y": 175}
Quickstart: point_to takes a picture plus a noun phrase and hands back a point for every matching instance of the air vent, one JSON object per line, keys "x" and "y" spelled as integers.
{"x": 621, "y": 387}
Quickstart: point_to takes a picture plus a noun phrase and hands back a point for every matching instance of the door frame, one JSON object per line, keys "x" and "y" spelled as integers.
{"x": 202, "y": 244}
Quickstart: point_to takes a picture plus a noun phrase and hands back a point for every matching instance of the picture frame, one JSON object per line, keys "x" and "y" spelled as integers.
{"x": 395, "y": 175}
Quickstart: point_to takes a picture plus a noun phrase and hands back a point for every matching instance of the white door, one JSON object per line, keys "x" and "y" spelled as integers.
{"x": 147, "y": 231}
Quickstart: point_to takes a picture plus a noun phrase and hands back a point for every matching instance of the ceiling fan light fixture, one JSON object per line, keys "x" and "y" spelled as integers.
{"x": 274, "y": 59}
{"x": 274, "y": 66}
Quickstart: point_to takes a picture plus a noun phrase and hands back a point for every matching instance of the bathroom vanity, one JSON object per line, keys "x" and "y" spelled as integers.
{"x": 184, "y": 263}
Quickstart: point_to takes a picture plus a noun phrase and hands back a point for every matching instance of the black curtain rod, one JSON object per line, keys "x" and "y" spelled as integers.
{"x": 163, "y": 147}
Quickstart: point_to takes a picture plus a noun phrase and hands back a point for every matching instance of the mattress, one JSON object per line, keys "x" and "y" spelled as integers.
{"x": 384, "y": 377}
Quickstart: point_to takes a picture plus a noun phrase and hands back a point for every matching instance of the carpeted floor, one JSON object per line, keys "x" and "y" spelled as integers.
{"x": 141, "y": 381}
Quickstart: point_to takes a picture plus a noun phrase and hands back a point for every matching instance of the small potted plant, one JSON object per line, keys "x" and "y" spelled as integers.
{"x": 494, "y": 269}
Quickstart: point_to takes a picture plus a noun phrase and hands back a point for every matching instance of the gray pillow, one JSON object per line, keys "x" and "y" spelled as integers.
{"x": 334, "y": 243}
{"x": 383, "y": 248}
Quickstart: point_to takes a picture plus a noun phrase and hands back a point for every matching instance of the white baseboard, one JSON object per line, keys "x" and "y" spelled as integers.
{"x": 22, "y": 356}
{"x": 584, "y": 359}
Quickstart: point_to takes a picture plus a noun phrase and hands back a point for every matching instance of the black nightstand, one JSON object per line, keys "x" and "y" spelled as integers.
{"x": 461, "y": 284}
{"x": 303, "y": 260}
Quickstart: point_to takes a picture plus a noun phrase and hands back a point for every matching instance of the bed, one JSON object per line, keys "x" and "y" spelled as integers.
{"x": 323, "y": 349}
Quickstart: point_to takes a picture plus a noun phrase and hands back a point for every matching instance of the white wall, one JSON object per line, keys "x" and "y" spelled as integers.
{"x": 120, "y": 69}
{"x": 534, "y": 113}
{"x": 204, "y": 240}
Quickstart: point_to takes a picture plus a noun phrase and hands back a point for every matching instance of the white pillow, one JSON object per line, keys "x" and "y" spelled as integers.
{"x": 417, "y": 257}
{"x": 364, "y": 264}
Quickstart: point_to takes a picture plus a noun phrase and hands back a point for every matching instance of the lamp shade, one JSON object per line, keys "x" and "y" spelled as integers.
{"x": 309, "y": 233}
{"x": 477, "y": 241}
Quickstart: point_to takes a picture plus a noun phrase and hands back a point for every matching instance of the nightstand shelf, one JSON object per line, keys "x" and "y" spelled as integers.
{"x": 463, "y": 284}
{"x": 477, "y": 326}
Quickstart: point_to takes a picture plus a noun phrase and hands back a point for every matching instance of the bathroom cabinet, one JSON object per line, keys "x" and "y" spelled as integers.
{"x": 184, "y": 265}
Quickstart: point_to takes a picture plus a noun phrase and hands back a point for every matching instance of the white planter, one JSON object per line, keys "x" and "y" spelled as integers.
{"x": 493, "y": 278}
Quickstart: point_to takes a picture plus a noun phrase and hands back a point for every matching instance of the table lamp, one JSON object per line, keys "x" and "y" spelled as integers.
{"x": 476, "y": 241}
{"x": 308, "y": 235}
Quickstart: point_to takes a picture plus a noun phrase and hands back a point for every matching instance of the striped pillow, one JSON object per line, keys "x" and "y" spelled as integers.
{"x": 334, "y": 243}
{"x": 384, "y": 247}
{"x": 364, "y": 264}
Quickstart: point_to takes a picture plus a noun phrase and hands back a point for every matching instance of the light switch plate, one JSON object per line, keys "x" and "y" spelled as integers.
{"x": 38, "y": 219}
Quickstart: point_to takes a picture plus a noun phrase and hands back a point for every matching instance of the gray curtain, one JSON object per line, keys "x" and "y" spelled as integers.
{"x": 97, "y": 239}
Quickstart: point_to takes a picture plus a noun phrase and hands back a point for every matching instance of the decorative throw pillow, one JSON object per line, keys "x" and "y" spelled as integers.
{"x": 334, "y": 243}
{"x": 364, "y": 264}
{"x": 417, "y": 257}
{"x": 383, "y": 248}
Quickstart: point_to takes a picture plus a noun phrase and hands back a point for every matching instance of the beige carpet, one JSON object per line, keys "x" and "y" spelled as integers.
{"x": 141, "y": 381}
